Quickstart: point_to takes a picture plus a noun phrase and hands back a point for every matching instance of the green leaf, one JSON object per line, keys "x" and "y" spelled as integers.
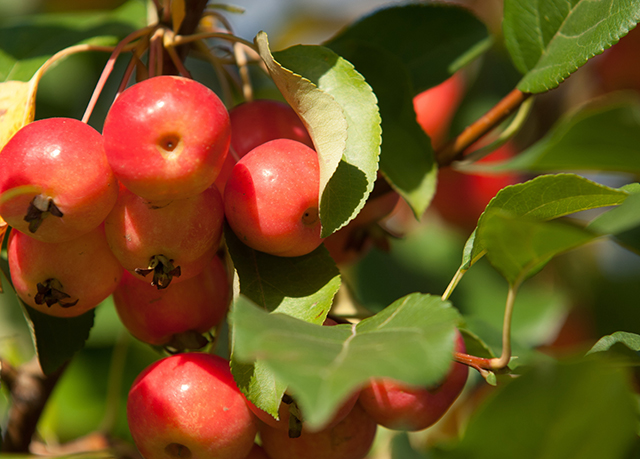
{"x": 348, "y": 188}
{"x": 26, "y": 43}
{"x": 518, "y": 248}
{"x": 602, "y": 136}
{"x": 583, "y": 410}
{"x": 57, "y": 339}
{"x": 302, "y": 287}
{"x": 430, "y": 40}
{"x": 401, "y": 51}
{"x": 631, "y": 340}
{"x": 622, "y": 222}
{"x": 411, "y": 340}
{"x": 550, "y": 39}
{"x": 544, "y": 198}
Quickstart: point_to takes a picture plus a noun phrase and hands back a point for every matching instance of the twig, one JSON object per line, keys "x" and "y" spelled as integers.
{"x": 454, "y": 150}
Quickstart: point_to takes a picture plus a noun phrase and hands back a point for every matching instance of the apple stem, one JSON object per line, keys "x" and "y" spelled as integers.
{"x": 502, "y": 362}
{"x": 472, "y": 133}
{"x": 108, "y": 68}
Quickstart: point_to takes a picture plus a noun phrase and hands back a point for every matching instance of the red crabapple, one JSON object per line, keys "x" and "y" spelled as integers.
{"x": 398, "y": 406}
{"x": 178, "y": 315}
{"x": 256, "y": 122}
{"x": 436, "y": 106}
{"x": 188, "y": 406}
{"x": 172, "y": 241}
{"x": 167, "y": 137}
{"x": 271, "y": 198}
{"x": 351, "y": 438}
{"x": 63, "y": 279}
{"x": 55, "y": 181}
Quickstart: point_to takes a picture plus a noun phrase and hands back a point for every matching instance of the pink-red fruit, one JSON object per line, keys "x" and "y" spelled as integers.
{"x": 188, "y": 406}
{"x": 178, "y": 315}
{"x": 55, "y": 181}
{"x": 271, "y": 198}
{"x": 351, "y": 438}
{"x": 398, "y": 406}
{"x": 64, "y": 279}
{"x": 167, "y": 137}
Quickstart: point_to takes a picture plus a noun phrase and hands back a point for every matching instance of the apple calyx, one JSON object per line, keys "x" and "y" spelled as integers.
{"x": 295, "y": 418}
{"x": 50, "y": 292}
{"x": 188, "y": 340}
{"x": 163, "y": 271}
{"x": 39, "y": 208}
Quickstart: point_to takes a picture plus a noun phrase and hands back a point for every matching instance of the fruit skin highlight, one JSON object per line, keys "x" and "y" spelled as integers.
{"x": 188, "y": 406}
{"x": 61, "y": 162}
{"x": 167, "y": 137}
{"x": 271, "y": 199}
{"x": 399, "y": 406}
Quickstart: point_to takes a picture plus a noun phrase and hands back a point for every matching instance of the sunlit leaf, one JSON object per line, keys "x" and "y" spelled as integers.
{"x": 411, "y": 340}
{"x": 348, "y": 188}
{"x": 518, "y": 248}
{"x": 544, "y": 198}
{"x": 16, "y": 108}
{"x": 550, "y": 39}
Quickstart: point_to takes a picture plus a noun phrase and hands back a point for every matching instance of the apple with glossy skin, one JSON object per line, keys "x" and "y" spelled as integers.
{"x": 351, "y": 438}
{"x": 168, "y": 243}
{"x": 399, "y": 406}
{"x": 271, "y": 199}
{"x": 56, "y": 183}
{"x": 188, "y": 406}
{"x": 167, "y": 137}
{"x": 64, "y": 279}
{"x": 178, "y": 315}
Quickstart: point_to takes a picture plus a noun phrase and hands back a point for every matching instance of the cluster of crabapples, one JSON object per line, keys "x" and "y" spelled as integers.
{"x": 138, "y": 210}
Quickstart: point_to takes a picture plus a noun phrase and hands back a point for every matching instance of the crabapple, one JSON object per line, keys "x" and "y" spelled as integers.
{"x": 436, "y": 106}
{"x": 55, "y": 181}
{"x": 63, "y": 279}
{"x": 256, "y": 122}
{"x": 172, "y": 241}
{"x": 399, "y": 406}
{"x": 188, "y": 406}
{"x": 167, "y": 137}
{"x": 351, "y": 438}
{"x": 257, "y": 452}
{"x": 178, "y": 315}
{"x": 271, "y": 198}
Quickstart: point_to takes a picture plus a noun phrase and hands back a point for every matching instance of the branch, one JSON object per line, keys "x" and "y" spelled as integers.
{"x": 453, "y": 151}
{"x": 30, "y": 390}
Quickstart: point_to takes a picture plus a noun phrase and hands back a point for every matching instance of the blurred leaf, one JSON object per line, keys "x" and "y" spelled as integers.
{"x": 401, "y": 447}
{"x": 582, "y": 410}
{"x": 548, "y": 40}
{"x": 432, "y": 41}
{"x": 406, "y": 157}
{"x": 57, "y": 339}
{"x": 599, "y": 137}
{"x": 26, "y": 43}
{"x": 623, "y": 222}
{"x": 631, "y": 340}
{"x": 302, "y": 287}
{"x": 544, "y": 198}
{"x": 518, "y": 248}
{"x": 403, "y": 50}
{"x": 16, "y": 108}
{"x": 349, "y": 186}
{"x": 411, "y": 340}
